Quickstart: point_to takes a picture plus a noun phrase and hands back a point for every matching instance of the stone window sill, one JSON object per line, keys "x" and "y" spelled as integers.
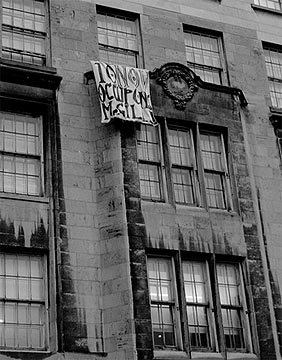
{"x": 181, "y": 355}
{"x": 170, "y": 355}
{"x": 241, "y": 356}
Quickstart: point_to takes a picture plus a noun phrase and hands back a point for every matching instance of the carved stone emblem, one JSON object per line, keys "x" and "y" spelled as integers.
{"x": 178, "y": 82}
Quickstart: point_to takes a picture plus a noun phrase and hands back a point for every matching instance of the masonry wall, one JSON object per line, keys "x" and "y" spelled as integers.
{"x": 95, "y": 304}
{"x": 98, "y": 204}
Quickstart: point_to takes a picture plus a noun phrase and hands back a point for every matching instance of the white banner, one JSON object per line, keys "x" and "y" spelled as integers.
{"x": 124, "y": 92}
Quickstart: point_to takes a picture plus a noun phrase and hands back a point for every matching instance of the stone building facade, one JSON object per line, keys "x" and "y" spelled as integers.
{"x": 130, "y": 241}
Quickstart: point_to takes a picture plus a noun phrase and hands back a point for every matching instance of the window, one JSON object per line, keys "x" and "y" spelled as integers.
{"x": 118, "y": 38}
{"x": 149, "y": 154}
{"x": 273, "y": 61}
{"x": 204, "y": 56}
{"x": 23, "y": 304}
{"x": 197, "y": 304}
{"x": 162, "y": 302}
{"x": 24, "y": 31}
{"x": 230, "y": 292}
{"x": 183, "y": 165}
{"x": 200, "y": 296}
{"x": 176, "y": 165}
{"x": 20, "y": 154}
{"x": 271, "y": 4}
{"x": 215, "y": 171}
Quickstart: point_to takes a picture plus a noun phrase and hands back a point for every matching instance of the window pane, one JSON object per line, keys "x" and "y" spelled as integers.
{"x": 197, "y": 303}
{"x": 233, "y": 329}
{"x": 162, "y": 302}
{"x": 22, "y": 318}
{"x": 20, "y": 16}
{"x": 148, "y": 151}
{"x": 181, "y": 150}
{"x": 19, "y": 173}
{"x": 198, "y": 327}
{"x": 183, "y": 186}
{"x": 212, "y": 152}
{"x": 215, "y": 191}
{"x": 273, "y": 62}
{"x": 229, "y": 283}
{"x": 23, "y": 313}
{"x": 229, "y": 292}
{"x": 150, "y": 185}
{"x": 271, "y": 4}
{"x": 214, "y": 168}
{"x": 204, "y": 56}
{"x": 117, "y": 37}
{"x": 148, "y": 143}
{"x": 160, "y": 280}
{"x": 163, "y": 329}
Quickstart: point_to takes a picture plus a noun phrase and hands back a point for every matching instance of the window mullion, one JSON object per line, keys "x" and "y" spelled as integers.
{"x": 226, "y": 176}
{"x": 211, "y": 312}
{"x": 177, "y": 319}
{"x": 166, "y": 163}
{"x": 201, "y": 169}
{"x": 195, "y": 177}
{"x": 248, "y": 336}
{"x": 46, "y": 314}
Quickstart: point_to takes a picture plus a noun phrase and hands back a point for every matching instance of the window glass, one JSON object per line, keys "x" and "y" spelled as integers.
{"x": 24, "y": 31}
{"x": 22, "y": 304}
{"x": 20, "y": 154}
{"x": 271, "y": 4}
{"x": 214, "y": 169}
{"x": 162, "y": 302}
{"x": 231, "y": 307}
{"x": 182, "y": 159}
{"x": 148, "y": 151}
{"x": 204, "y": 56}
{"x": 197, "y": 304}
{"x": 117, "y": 37}
{"x": 273, "y": 61}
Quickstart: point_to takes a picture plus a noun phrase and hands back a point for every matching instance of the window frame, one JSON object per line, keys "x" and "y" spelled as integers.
{"x": 224, "y": 173}
{"x": 258, "y": 3}
{"x": 45, "y": 302}
{"x": 243, "y": 307}
{"x": 192, "y": 169}
{"x": 134, "y": 18}
{"x": 214, "y": 315}
{"x": 273, "y": 80}
{"x": 39, "y": 157}
{"x": 159, "y": 165}
{"x": 209, "y": 305}
{"x": 222, "y": 70}
{"x": 174, "y": 304}
{"x": 41, "y": 34}
{"x": 197, "y": 169}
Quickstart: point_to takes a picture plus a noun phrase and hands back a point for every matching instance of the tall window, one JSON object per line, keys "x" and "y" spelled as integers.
{"x": 205, "y": 56}
{"x": 271, "y": 4}
{"x": 162, "y": 302}
{"x": 149, "y": 155}
{"x": 215, "y": 170}
{"x": 23, "y": 302}
{"x": 118, "y": 38}
{"x": 198, "y": 295}
{"x": 197, "y": 304}
{"x": 24, "y": 31}
{"x": 175, "y": 164}
{"x": 20, "y": 154}
{"x": 230, "y": 291}
{"x": 273, "y": 61}
{"x": 183, "y": 165}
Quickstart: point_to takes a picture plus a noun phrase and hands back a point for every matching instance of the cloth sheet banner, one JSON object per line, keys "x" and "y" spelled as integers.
{"x": 124, "y": 92}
